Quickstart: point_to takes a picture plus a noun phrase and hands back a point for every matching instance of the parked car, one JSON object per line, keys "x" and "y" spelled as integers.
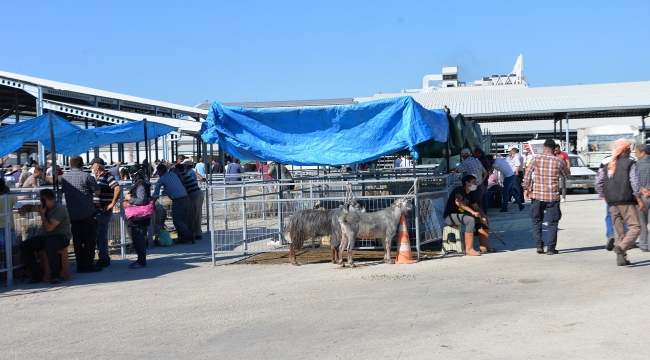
{"x": 581, "y": 176}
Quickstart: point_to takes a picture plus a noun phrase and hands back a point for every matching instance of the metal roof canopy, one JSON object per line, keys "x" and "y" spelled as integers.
{"x": 544, "y": 103}
{"x": 82, "y": 104}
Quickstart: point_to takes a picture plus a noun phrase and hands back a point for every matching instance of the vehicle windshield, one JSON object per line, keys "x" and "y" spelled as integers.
{"x": 576, "y": 161}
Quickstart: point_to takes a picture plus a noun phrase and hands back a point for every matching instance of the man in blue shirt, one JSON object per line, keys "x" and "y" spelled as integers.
{"x": 200, "y": 167}
{"x": 176, "y": 192}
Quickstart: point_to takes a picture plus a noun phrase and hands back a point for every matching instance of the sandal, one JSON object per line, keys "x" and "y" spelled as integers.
{"x": 137, "y": 265}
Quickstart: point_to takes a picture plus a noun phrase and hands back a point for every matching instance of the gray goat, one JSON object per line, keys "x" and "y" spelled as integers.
{"x": 310, "y": 224}
{"x": 380, "y": 224}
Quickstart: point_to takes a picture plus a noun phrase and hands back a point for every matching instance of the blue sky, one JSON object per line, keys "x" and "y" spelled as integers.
{"x": 187, "y": 52}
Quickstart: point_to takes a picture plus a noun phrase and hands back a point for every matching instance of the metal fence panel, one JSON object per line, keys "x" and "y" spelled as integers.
{"x": 254, "y": 217}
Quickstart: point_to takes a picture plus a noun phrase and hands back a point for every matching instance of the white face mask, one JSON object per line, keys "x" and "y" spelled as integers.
{"x": 472, "y": 187}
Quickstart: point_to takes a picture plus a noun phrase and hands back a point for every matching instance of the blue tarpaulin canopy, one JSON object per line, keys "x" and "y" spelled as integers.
{"x": 72, "y": 140}
{"x": 333, "y": 135}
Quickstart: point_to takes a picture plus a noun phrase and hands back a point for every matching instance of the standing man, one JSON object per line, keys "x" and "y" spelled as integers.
{"x": 471, "y": 166}
{"x": 232, "y": 169}
{"x": 115, "y": 170}
{"x": 109, "y": 194}
{"x": 619, "y": 185}
{"x": 53, "y": 236}
{"x": 180, "y": 159}
{"x": 643, "y": 167}
{"x": 176, "y": 192}
{"x": 195, "y": 195}
{"x": 216, "y": 167}
{"x": 79, "y": 188}
{"x": 509, "y": 179}
{"x": 546, "y": 169}
{"x": 516, "y": 162}
{"x": 200, "y": 168}
{"x": 564, "y": 156}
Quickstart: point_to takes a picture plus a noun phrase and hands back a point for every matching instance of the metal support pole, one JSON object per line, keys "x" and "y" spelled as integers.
{"x": 416, "y": 208}
{"x": 211, "y": 228}
{"x": 96, "y": 148}
{"x": 568, "y": 147}
{"x": 147, "y": 171}
{"x": 55, "y": 174}
{"x": 8, "y": 241}
{"x": 39, "y": 112}
{"x": 110, "y": 149}
{"x": 164, "y": 148}
{"x": 554, "y": 127}
{"x": 244, "y": 222}
{"x": 642, "y": 129}
{"x": 156, "y": 145}
{"x": 137, "y": 152}
{"x": 17, "y": 114}
{"x": 87, "y": 152}
{"x": 122, "y": 228}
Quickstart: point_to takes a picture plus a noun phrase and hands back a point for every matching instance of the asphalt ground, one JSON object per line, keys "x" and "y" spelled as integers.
{"x": 514, "y": 304}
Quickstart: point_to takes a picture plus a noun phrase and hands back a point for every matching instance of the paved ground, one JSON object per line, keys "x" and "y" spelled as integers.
{"x": 514, "y": 304}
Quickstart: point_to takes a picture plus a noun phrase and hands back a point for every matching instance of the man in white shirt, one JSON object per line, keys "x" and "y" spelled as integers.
{"x": 508, "y": 180}
{"x": 516, "y": 162}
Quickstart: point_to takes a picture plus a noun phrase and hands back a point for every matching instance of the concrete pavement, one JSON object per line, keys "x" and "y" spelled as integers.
{"x": 515, "y": 304}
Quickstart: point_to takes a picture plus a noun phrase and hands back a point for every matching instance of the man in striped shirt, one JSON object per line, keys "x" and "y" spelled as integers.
{"x": 545, "y": 169}
{"x": 195, "y": 195}
{"x": 176, "y": 192}
{"x": 109, "y": 194}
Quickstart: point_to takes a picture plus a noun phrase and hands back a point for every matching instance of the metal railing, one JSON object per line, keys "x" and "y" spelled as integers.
{"x": 254, "y": 217}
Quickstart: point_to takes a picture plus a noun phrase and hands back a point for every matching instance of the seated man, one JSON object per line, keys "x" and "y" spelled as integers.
{"x": 4, "y": 189}
{"x": 461, "y": 209}
{"x": 55, "y": 234}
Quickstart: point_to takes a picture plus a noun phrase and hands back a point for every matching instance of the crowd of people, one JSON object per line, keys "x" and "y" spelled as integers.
{"x": 90, "y": 199}
{"x": 624, "y": 184}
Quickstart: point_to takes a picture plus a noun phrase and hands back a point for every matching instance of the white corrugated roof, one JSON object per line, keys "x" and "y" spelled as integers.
{"x": 546, "y": 126}
{"x": 532, "y": 100}
{"x": 95, "y": 92}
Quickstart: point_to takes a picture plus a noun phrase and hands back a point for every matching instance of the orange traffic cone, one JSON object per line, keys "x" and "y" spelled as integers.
{"x": 403, "y": 244}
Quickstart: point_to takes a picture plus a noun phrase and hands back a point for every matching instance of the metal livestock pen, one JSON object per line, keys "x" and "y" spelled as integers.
{"x": 253, "y": 217}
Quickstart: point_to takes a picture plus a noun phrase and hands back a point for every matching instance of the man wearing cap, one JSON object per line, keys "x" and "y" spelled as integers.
{"x": 188, "y": 165}
{"x": 618, "y": 183}
{"x": 471, "y": 166}
{"x": 105, "y": 200}
{"x": 79, "y": 188}
{"x": 541, "y": 184}
{"x": 176, "y": 192}
{"x": 643, "y": 168}
{"x": 509, "y": 179}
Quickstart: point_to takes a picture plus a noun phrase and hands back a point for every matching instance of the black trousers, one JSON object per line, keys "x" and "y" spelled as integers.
{"x": 553, "y": 216}
{"x": 84, "y": 238}
{"x": 51, "y": 245}
{"x": 517, "y": 186}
